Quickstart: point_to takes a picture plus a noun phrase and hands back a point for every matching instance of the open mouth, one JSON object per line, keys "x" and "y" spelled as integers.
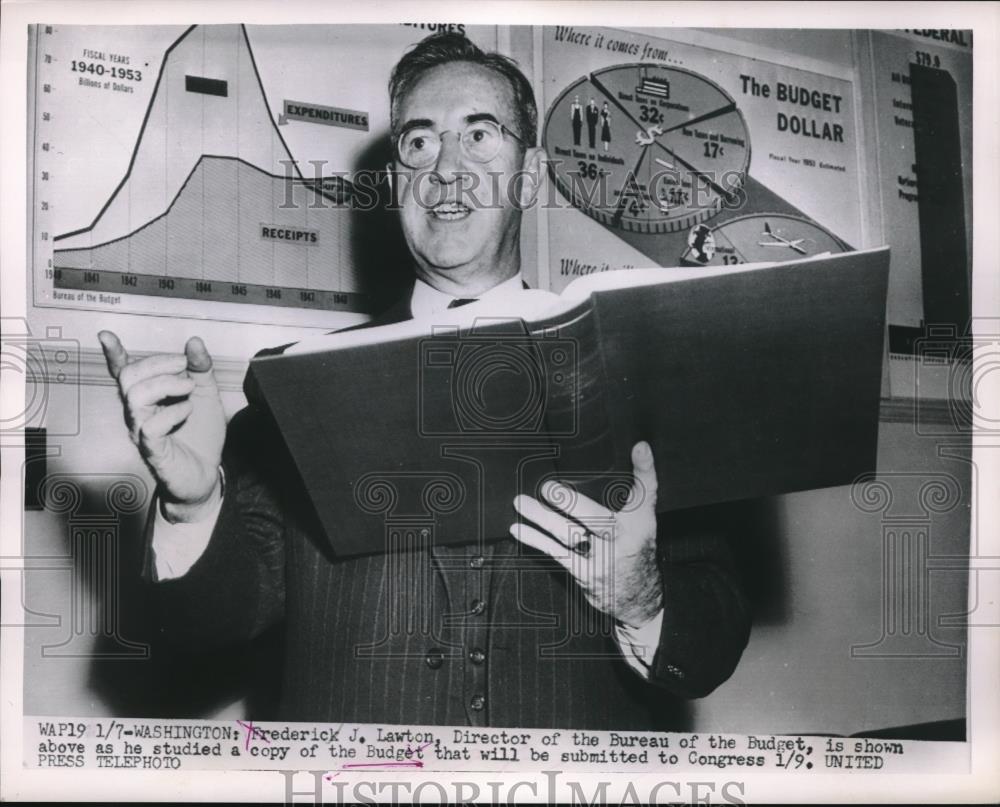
{"x": 451, "y": 211}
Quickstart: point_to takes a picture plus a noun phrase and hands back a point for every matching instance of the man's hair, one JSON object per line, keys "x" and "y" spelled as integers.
{"x": 445, "y": 48}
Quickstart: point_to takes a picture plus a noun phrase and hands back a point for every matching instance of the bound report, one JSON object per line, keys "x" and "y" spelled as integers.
{"x": 747, "y": 381}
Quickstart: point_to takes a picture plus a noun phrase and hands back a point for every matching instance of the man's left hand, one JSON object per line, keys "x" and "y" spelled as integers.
{"x": 611, "y": 554}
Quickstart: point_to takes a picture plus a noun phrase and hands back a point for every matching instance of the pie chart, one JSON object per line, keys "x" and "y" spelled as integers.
{"x": 647, "y": 149}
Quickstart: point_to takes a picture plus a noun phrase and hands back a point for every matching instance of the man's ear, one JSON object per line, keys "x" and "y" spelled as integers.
{"x": 531, "y": 175}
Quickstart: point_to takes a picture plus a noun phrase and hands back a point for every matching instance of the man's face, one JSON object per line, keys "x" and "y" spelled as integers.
{"x": 460, "y": 217}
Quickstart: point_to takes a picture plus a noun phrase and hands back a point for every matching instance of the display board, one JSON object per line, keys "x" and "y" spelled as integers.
{"x": 922, "y": 83}
{"x": 211, "y": 171}
{"x": 215, "y": 172}
{"x": 672, "y": 154}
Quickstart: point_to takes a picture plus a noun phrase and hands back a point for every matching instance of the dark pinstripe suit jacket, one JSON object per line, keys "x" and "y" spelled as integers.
{"x": 490, "y": 634}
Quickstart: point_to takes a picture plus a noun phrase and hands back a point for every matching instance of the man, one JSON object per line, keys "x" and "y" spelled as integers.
{"x": 593, "y": 116}
{"x": 576, "y": 118}
{"x": 537, "y": 629}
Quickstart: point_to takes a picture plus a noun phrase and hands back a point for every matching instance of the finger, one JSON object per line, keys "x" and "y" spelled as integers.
{"x": 154, "y": 430}
{"x": 645, "y": 483}
{"x": 563, "y": 529}
{"x": 537, "y": 539}
{"x": 158, "y": 364}
{"x": 199, "y": 361}
{"x": 151, "y": 391}
{"x": 114, "y": 352}
{"x": 575, "y": 504}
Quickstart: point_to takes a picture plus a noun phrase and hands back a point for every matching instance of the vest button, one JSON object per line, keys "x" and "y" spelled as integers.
{"x": 478, "y": 703}
{"x": 477, "y": 655}
{"x": 477, "y": 561}
{"x": 434, "y": 658}
{"x": 478, "y": 607}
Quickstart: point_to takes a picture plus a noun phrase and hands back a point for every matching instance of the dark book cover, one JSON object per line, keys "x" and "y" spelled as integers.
{"x": 747, "y": 383}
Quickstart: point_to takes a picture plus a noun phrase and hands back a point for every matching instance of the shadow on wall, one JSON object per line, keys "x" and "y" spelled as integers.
{"x": 385, "y": 265}
{"x": 754, "y": 536}
{"x": 762, "y": 556}
{"x": 109, "y": 625}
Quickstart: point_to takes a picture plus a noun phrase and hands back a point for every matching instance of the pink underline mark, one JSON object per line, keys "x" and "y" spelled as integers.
{"x": 415, "y": 764}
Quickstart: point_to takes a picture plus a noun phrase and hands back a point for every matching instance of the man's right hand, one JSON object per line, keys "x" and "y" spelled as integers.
{"x": 175, "y": 417}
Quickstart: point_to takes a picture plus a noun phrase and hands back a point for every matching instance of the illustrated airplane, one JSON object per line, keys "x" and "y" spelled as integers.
{"x": 779, "y": 241}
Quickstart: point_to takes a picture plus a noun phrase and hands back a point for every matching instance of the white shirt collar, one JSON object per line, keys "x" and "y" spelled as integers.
{"x": 427, "y": 301}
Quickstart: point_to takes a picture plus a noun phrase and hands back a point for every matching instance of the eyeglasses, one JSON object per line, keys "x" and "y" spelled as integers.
{"x": 479, "y": 141}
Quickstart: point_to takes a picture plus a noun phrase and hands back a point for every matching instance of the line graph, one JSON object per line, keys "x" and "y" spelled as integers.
{"x": 212, "y": 204}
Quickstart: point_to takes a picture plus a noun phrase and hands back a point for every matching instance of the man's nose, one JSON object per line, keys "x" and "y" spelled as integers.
{"x": 449, "y": 160}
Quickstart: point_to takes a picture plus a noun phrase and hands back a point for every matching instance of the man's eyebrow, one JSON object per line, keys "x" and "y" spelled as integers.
{"x": 427, "y": 123}
{"x": 478, "y": 116}
{"x": 416, "y": 123}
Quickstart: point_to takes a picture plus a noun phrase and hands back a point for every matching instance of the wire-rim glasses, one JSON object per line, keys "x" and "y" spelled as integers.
{"x": 480, "y": 141}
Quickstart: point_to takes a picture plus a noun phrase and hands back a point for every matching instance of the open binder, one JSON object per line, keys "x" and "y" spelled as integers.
{"x": 747, "y": 381}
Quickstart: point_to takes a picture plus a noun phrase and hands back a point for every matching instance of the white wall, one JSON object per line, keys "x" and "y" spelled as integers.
{"x": 830, "y": 577}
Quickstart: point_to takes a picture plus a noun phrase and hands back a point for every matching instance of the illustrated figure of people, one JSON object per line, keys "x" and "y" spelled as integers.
{"x": 576, "y": 115}
{"x": 606, "y": 126}
{"x": 593, "y": 115}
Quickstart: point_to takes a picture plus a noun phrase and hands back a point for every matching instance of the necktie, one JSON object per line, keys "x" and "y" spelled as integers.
{"x": 458, "y": 302}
